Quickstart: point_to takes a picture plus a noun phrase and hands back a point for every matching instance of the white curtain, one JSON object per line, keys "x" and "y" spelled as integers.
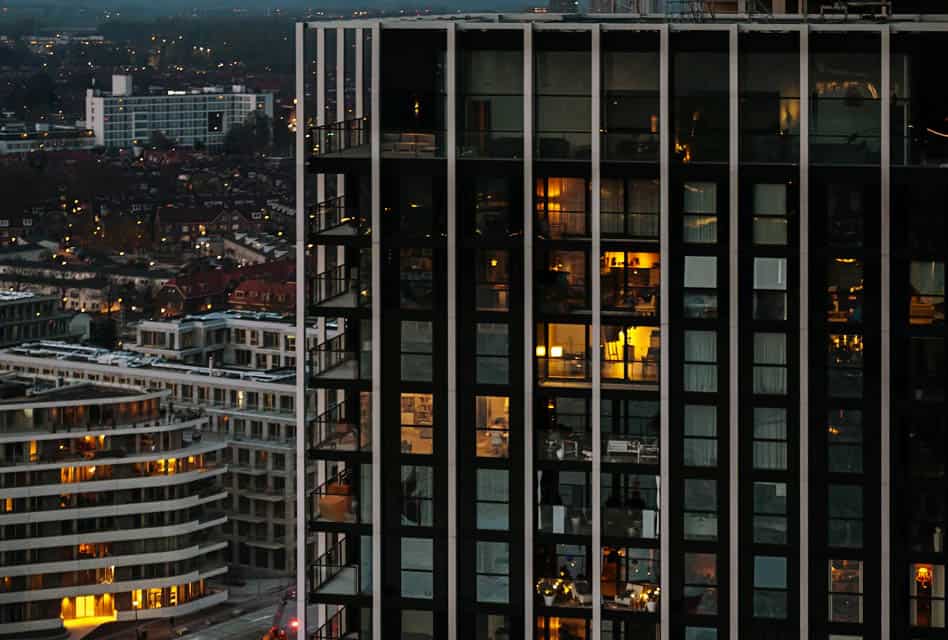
{"x": 770, "y": 349}
{"x": 700, "y": 197}
{"x": 701, "y": 347}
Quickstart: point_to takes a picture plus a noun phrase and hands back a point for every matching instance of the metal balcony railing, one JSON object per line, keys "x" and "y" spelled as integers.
{"x": 338, "y": 137}
{"x": 337, "y": 216}
{"x": 342, "y": 287}
{"x": 335, "y": 430}
{"x": 339, "y": 358}
{"x": 334, "y": 574}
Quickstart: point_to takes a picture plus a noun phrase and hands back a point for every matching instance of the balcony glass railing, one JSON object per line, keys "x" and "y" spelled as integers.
{"x": 335, "y": 431}
{"x": 337, "y": 216}
{"x": 338, "y": 137}
{"x": 337, "y": 358}
{"x": 341, "y": 287}
{"x": 334, "y": 574}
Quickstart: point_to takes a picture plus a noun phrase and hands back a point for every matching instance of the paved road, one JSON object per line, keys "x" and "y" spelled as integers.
{"x": 249, "y": 626}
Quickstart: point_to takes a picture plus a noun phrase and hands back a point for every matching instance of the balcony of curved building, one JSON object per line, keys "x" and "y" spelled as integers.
{"x": 337, "y": 220}
{"x": 338, "y": 434}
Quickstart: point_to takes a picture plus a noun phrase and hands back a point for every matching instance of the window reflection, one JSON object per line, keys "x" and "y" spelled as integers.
{"x": 701, "y": 583}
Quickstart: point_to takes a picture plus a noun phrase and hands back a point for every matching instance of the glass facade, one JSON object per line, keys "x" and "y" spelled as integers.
{"x": 659, "y": 303}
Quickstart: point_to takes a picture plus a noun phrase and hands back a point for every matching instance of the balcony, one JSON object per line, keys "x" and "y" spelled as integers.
{"x": 342, "y": 287}
{"x": 337, "y": 359}
{"x": 334, "y": 574}
{"x": 337, "y": 627}
{"x": 337, "y": 218}
{"x": 346, "y": 137}
{"x": 337, "y": 500}
{"x": 335, "y": 432}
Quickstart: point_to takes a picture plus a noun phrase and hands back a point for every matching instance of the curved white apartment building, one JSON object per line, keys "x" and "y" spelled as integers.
{"x": 109, "y": 508}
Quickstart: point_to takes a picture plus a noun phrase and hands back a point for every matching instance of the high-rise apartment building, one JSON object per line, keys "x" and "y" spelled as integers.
{"x": 639, "y": 327}
{"x": 122, "y": 119}
{"x": 109, "y": 508}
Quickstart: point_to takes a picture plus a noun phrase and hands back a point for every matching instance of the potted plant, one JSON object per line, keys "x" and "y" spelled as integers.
{"x": 652, "y": 603}
{"x": 549, "y": 594}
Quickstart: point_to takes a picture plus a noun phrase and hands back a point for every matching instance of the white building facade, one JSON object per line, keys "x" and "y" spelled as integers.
{"x": 121, "y": 119}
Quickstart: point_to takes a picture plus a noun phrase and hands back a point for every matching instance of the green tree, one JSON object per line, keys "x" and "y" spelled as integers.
{"x": 160, "y": 141}
{"x": 249, "y": 137}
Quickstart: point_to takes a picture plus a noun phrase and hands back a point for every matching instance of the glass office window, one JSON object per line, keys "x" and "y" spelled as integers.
{"x": 561, "y": 207}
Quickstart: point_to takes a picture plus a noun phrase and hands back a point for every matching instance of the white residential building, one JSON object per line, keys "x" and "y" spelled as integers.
{"x": 121, "y": 119}
{"x": 109, "y": 508}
